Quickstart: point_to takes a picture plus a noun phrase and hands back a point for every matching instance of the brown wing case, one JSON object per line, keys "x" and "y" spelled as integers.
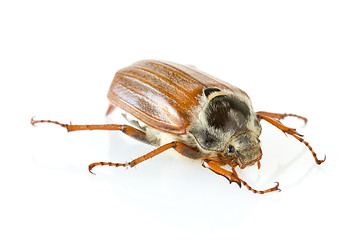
{"x": 163, "y": 95}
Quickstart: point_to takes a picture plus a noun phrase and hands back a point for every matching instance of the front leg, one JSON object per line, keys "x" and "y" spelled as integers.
{"x": 214, "y": 166}
{"x": 291, "y": 131}
{"x": 280, "y": 116}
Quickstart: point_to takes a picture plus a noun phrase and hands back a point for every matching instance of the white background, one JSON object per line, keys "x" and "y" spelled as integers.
{"x": 58, "y": 60}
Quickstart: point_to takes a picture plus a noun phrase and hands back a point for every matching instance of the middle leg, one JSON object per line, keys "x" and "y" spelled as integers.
{"x": 180, "y": 147}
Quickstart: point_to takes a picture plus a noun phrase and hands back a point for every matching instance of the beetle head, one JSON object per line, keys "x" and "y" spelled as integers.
{"x": 244, "y": 147}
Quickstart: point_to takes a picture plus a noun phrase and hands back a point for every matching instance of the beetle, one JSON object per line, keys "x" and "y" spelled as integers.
{"x": 173, "y": 106}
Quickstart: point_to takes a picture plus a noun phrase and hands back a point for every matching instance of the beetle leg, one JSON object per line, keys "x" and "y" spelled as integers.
{"x": 293, "y": 133}
{"x": 137, "y": 160}
{"x": 128, "y": 130}
{"x": 110, "y": 109}
{"x": 279, "y": 125}
{"x": 214, "y": 166}
{"x": 178, "y": 146}
{"x": 280, "y": 116}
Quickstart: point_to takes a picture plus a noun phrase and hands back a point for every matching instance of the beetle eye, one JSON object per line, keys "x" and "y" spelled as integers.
{"x": 230, "y": 149}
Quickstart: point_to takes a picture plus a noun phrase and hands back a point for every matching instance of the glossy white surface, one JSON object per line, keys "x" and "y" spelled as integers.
{"x": 58, "y": 61}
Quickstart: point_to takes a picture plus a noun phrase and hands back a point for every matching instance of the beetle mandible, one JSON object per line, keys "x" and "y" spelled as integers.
{"x": 201, "y": 117}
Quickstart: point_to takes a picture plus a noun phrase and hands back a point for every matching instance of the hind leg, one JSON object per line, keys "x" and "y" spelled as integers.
{"x": 128, "y": 130}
